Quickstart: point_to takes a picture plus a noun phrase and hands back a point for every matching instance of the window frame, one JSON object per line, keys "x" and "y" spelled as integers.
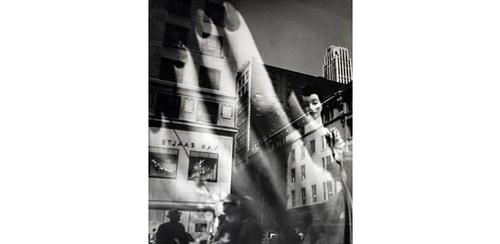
{"x": 207, "y": 82}
{"x": 314, "y": 193}
{"x": 323, "y": 163}
{"x": 227, "y": 111}
{"x": 323, "y": 142}
{"x": 168, "y": 105}
{"x": 153, "y": 172}
{"x": 207, "y": 117}
{"x": 171, "y": 70}
{"x": 185, "y": 12}
{"x": 201, "y": 153}
{"x": 324, "y": 191}
{"x": 329, "y": 185}
{"x": 312, "y": 145}
{"x": 170, "y": 40}
{"x": 303, "y": 196}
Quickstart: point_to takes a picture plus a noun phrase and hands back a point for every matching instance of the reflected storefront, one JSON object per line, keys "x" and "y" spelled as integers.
{"x": 189, "y": 171}
{"x": 198, "y": 223}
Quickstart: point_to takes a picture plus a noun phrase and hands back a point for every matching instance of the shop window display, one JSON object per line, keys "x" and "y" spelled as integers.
{"x": 203, "y": 166}
{"x": 163, "y": 162}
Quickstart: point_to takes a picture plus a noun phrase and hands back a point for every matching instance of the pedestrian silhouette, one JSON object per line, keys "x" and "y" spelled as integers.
{"x": 172, "y": 232}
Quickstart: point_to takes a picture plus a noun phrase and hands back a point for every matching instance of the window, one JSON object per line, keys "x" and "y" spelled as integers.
{"x": 171, "y": 70}
{"x": 292, "y": 174}
{"x": 292, "y": 156}
{"x": 303, "y": 171}
{"x": 293, "y": 198}
{"x": 163, "y": 162}
{"x": 227, "y": 111}
{"x": 323, "y": 139}
{"x": 314, "y": 196}
{"x": 303, "y": 191}
{"x": 313, "y": 146}
{"x": 203, "y": 166}
{"x": 209, "y": 78}
{"x": 330, "y": 189}
{"x": 167, "y": 106}
{"x": 241, "y": 79}
{"x": 175, "y": 36}
{"x": 200, "y": 227}
{"x": 152, "y": 98}
{"x": 179, "y": 7}
{"x": 303, "y": 151}
{"x": 188, "y": 105}
{"x": 214, "y": 12}
{"x": 323, "y": 162}
{"x": 207, "y": 111}
{"x": 324, "y": 191}
{"x": 212, "y": 44}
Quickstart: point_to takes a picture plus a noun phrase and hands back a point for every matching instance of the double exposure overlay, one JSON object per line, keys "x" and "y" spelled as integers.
{"x": 242, "y": 151}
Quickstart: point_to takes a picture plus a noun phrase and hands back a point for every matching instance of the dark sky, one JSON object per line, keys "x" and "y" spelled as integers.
{"x": 294, "y": 34}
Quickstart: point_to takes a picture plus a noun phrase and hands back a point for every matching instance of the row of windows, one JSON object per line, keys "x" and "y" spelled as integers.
{"x": 302, "y": 173}
{"x": 328, "y": 191}
{"x": 311, "y": 149}
{"x": 172, "y": 70}
{"x": 325, "y": 161}
{"x": 178, "y": 36}
{"x": 163, "y": 163}
{"x": 213, "y": 11}
{"x": 169, "y": 106}
{"x": 177, "y": 7}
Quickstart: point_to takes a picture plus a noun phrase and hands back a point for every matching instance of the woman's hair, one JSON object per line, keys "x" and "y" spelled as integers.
{"x": 312, "y": 89}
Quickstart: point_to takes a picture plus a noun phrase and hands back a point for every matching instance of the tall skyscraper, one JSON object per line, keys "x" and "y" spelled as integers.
{"x": 337, "y": 65}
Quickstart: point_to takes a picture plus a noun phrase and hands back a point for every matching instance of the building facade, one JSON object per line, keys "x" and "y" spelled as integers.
{"x": 272, "y": 163}
{"x": 308, "y": 180}
{"x": 338, "y": 114}
{"x": 192, "y": 112}
{"x": 337, "y": 65}
{"x": 316, "y": 186}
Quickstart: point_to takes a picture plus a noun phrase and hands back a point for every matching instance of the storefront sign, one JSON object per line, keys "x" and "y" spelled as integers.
{"x": 192, "y": 145}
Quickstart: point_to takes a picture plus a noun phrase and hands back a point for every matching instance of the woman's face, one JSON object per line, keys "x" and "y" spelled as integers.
{"x": 313, "y": 104}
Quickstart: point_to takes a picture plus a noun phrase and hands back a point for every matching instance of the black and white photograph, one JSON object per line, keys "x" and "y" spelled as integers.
{"x": 250, "y": 121}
